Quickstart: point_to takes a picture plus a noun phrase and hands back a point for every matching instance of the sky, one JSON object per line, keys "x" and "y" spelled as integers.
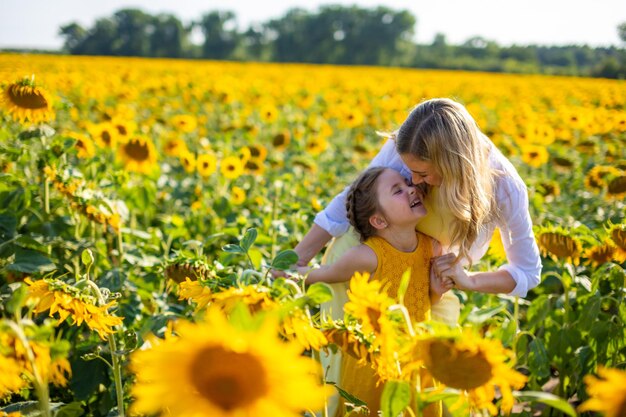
{"x": 36, "y": 23}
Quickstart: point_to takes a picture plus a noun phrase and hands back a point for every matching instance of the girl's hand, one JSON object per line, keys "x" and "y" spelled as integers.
{"x": 446, "y": 268}
{"x": 438, "y": 285}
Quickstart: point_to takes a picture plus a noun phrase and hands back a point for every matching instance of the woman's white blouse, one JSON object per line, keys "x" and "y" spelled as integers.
{"x": 524, "y": 263}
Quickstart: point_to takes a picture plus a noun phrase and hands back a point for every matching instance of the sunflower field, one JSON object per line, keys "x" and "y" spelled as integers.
{"x": 144, "y": 202}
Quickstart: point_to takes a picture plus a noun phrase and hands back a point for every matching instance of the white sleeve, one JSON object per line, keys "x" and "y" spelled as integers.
{"x": 522, "y": 253}
{"x": 333, "y": 218}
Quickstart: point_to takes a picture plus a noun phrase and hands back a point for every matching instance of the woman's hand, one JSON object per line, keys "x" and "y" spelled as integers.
{"x": 447, "y": 268}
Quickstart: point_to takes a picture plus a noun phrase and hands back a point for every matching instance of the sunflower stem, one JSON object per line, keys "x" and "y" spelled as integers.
{"x": 115, "y": 360}
{"x": 41, "y": 386}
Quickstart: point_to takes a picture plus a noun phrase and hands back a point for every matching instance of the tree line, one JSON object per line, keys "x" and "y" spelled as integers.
{"x": 347, "y": 35}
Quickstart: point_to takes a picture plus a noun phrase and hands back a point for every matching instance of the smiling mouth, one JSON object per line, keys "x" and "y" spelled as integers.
{"x": 416, "y": 203}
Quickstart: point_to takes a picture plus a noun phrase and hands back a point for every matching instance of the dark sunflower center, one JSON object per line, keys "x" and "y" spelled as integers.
{"x": 136, "y": 150}
{"x": 27, "y": 98}
{"x": 230, "y": 168}
{"x": 106, "y": 137}
{"x": 230, "y": 380}
{"x": 373, "y": 315}
{"x": 122, "y": 129}
{"x": 617, "y": 185}
{"x": 458, "y": 368}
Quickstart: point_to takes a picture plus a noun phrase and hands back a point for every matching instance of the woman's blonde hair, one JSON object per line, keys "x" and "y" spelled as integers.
{"x": 442, "y": 131}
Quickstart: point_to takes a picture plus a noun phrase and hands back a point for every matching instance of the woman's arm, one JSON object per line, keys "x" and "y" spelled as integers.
{"x": 495, "y": 282}
{"x": 358, "y": 259}
{"x": 311, "y": 244}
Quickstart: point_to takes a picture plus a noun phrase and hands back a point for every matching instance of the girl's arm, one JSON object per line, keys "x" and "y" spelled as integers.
{"x": 358, "y": 259}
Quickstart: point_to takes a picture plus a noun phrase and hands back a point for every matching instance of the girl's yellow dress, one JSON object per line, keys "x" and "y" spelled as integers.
{"x": 360, "y": 380}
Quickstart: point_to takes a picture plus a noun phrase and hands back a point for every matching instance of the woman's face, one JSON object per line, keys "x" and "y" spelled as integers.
{"x": 421, "y": 171}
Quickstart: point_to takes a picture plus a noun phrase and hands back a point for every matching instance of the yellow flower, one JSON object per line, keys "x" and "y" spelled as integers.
{"x": 216, "y": 369}
{"x": 207, "y": 164}
{"x": 24, "y": 101}
{"x": 188, "y": 160}
{"x": 559, "y": 244}
{"x": 105, "y": 134}
{"x": 473, "y": 365}
{"x": 84, "y": 145}
{"x": 297, "y": 326}
{"x": 255, "y": 166}
{"x": 534, "y": 155}
{"x": 607, "y": 393}
{"x": 125, "y": 128}
{"x": 496, "y": 248}
{"x": 138, "y": 154}
{"x": 596, "y": 178}
{"x": 10, "y": 376}
{"x": 175, "y": 147}
{"x": 258, "y": 152}
{"x": 600, "y": 254}
{"x": 368, "y": 303}
{"x": 268, "y": 113}
{"x": 315, "y": 146}
{"x": 184, "y": 123}
{"x": 66, "y": 301}
{"x": 237, "y": 195}
{"x": 194, "y": 291}
{"x": 281, "y": 140}
{"x": 617, "y": 232}
{"x": 231, "y": 167}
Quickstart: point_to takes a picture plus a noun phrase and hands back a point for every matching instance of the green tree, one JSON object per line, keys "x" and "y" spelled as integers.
{"x": 169, "y": 38}
{"x": 134, "y": 29}
{"x": 220, "y": 34}
{"x": 74, "y": 35}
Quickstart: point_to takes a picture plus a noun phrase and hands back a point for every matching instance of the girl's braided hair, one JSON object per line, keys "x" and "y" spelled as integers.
{"x": 362, "y": 202}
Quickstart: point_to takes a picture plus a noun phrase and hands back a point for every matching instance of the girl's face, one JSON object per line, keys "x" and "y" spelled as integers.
{"x": 422, "y": 171}
{"x": 398, "y": 198}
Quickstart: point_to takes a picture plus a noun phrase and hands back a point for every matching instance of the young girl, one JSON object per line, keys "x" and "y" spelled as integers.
{"x": 384, "y": 208}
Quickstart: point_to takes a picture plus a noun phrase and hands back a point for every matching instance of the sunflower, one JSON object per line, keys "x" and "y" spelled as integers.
{"x": 105, "y": 134}
{"x": 562, "y": 163}
{"x": 206, "y": 164}
{"x": 184, "y": 123}
{"x": 474, "y": 366}
{"x": 281, "y": 140}
{"x": 368, "y": 303}
{"x": 559, "y": 245}
{"x": 549, "y": 188}
{"x": 496, "y": 248}
{"x": 607, "y": 393}
{"x": 600, "y": 254}
{"x": 84, "y": 145}
{"x": 175, "y": 147}
{"x": 138, "y": 154}
{"x": 617, "y": 232}
{"x": 268, "y": 113}
{"x": 258, "y": 152}
{"x": 255, "y": 166}
{"x": 194, "y": 291}
{"x": 24, "y": 101}
{"x": 231, "y": 167}
{"x": 616, "y": 187}
{"x": 188, "y": 160}
{"x": 125, "y": 127}
{"x": 10, "y": 376}
{"x": 215, "y": 368}
{"x": 237, "y": 195}
{"x": 534, "y": 155}
{"x": 315, "y": 146}
{"x": 596, "y": 178}
{"x": 297, "y": 326}
{"x": 67, "y": 301}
